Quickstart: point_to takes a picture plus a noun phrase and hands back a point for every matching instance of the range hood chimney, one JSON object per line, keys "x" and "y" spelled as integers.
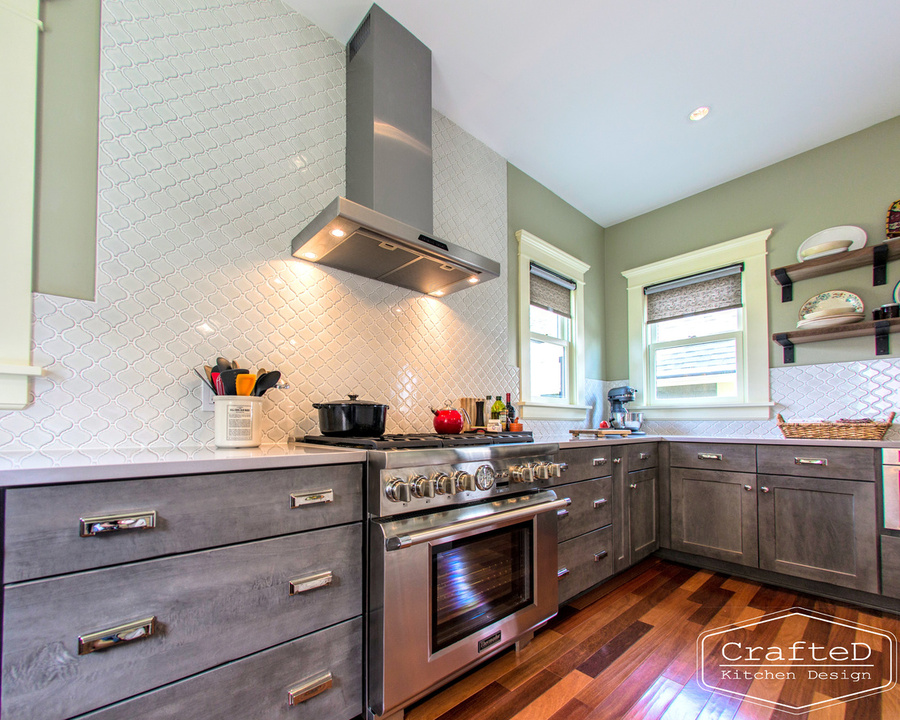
{"x": 383, "y": 228}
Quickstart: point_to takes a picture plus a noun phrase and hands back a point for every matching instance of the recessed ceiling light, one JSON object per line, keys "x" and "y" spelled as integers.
{"x": 699, "y": 113}
{"x": 337, "y": 232}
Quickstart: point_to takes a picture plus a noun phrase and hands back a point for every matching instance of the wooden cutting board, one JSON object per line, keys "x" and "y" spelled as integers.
{"x": 599, "y": 433}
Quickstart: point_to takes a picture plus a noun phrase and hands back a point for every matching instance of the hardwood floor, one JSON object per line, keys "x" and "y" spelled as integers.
{"x": 629, "y": 650}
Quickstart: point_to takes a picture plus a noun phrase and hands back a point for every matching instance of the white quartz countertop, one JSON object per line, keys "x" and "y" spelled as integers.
{"x": 39, "y": 468}
{"x": 567, "y": 441}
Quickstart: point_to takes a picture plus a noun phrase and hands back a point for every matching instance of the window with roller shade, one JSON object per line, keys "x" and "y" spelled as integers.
{"x": 698, "y": 338}
{"x": 695, "y": 326}
{"x": 550, "y": 327}
{"x": 551, "y": 331}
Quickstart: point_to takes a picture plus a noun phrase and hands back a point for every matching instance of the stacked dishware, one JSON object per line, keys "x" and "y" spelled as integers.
{"x": 831, "y": 308}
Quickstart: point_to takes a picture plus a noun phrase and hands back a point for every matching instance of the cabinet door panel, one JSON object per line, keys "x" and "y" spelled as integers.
{"x": 819, "y": 529}
{"x": 714, "y": 515}
{"x": 642, "y": 493}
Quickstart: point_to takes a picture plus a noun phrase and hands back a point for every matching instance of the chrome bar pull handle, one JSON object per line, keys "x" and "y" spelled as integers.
{"x": 644, "y": 456}
{"x": 600, "y": 555}
{"x": 310, "y": 582}
{"x": 562, "y": 572}
{"x": 99, "y": 524}
{"x": 562, "y": 513}
{"x": 709, "y": 456}
{"x": 309, "y": 688}
{"x": 599, "y": 503}
{"x": 810, "y": 461}
{"x": 312, "y": 498}
{"x": 599, "y": 461}
{"x": 119, "y": 635}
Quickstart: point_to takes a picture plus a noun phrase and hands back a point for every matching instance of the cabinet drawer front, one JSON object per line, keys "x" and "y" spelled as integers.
{"x": 585, "y": 463}
{"x": 591, "y": 507}
{"x": 209, "y": 607}
{"x": 257, "y": 686}
{"x": 640, "y": 456}
{"x": 584, "y": 562}
{"x": 729, "y": 457}
{"x": 842, "y": 463}
{"x": 44, "y": 524}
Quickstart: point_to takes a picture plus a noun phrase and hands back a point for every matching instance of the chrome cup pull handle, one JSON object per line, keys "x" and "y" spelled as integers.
{"x": 810, "y": 461}
{"x": 599, "y": 461}
{"x": 310, "y": 582}
{"x": 600, "y": 502}
{"x": 644, "y": 456}
{"x": 309, "y": 688}
{"x": 562, "y": 572}
{"x": 119, "y": 635}
{"x": 99, "y": 524}
{"x": 562, "y": 513}
{"x": 709, "y": 456}
{"x": 313, "y": 498}
{"x": 600, "y": 555}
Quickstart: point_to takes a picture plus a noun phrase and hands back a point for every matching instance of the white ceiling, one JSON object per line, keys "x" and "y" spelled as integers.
{"x": 591, "y": 97}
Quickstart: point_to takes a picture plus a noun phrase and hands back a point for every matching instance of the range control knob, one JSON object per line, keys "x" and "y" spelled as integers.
{"x": 484, "y": 477}
{"x": 464, "y": 481}
{"x": 543, "y": 470}
{"x": 397, "y": 490}
{"x": 521, "y": 473}
{"x": 443, "y": 484}
{"x": 421, "y": 486}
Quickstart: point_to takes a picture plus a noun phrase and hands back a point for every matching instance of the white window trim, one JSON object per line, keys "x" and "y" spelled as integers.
{"x": 751, "y": 250}
{"x": 19, "y": 27}
{"x": 532, "y": 248}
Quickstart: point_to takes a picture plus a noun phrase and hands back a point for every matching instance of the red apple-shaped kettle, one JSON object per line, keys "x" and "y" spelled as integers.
{"x": 449, "y": 419}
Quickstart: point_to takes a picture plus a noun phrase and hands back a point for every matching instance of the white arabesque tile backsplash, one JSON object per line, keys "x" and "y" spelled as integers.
{"x": 221, "y": 134}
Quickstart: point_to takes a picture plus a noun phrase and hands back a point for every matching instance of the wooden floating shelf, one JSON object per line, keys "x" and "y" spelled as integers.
{"x": 880, "y": 329}
{"x": 874, "y": 255}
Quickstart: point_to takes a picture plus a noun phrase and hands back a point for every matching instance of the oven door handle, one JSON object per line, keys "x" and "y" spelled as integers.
{"x": 398, "y": 542}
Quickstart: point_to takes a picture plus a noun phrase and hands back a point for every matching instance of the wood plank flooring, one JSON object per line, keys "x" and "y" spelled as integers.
{"x": 629, "y": 650}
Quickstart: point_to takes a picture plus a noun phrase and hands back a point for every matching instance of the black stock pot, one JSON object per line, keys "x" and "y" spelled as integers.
{"x": 352, "y": 418}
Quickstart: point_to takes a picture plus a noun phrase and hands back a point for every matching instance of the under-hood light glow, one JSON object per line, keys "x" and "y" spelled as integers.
{"x": 699, "y": 114}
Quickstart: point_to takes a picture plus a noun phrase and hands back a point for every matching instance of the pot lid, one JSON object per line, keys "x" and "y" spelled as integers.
{"x": 352, "y": 401}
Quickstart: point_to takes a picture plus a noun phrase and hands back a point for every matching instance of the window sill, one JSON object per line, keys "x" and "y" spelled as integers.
{"x": 743, "y": 411}
{"x": 550, "y": 411}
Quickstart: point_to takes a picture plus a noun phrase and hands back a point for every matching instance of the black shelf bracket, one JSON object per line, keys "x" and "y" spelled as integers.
{"x": 788, "y": 347}
{"x": 787, "y": 285}
{"x": 879, "y": 264}
{"x": 882, "y": 337}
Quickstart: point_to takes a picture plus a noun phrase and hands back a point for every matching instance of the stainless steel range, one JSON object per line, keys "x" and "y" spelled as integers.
{"x": 462, "y": 561}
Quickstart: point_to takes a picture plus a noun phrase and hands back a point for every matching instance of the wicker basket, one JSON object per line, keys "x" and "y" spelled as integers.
{"x": 835, "y": 430}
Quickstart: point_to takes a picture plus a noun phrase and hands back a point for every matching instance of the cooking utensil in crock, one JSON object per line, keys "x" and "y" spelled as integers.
{"x": 244, "y": 383}
{"x": 228, "y": 380}
{"x": 265, "y": 381}
{"x": 205, "y": 380}
{"x": 352, "y": 418}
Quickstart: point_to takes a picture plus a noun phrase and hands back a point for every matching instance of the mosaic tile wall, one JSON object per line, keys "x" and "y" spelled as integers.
{"x": 221, "y": 135}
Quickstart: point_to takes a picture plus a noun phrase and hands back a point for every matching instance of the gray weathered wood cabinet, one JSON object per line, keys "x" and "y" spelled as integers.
{"x": 636, "y": 509}
{"x": 804, "y": 511}
{"x": 219, "y": 595}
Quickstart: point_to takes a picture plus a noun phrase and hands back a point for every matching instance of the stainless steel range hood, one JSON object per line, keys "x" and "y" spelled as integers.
{"x": 383, "y": 228}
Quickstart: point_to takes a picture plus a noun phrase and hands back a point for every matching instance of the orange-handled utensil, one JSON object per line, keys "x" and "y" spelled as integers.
{"x": 244, "y": 383}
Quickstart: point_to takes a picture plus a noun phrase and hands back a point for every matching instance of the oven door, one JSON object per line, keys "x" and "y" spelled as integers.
{"x": 450, "y": 588}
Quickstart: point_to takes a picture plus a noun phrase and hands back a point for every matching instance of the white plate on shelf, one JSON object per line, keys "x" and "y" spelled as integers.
{"x": 832, "y": 321}
{"x": 827, "y": 239}
{"x": 835, "y": 302}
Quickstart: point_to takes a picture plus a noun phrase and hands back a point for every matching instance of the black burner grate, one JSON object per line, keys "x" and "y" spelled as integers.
{"x": 422, "y": 440}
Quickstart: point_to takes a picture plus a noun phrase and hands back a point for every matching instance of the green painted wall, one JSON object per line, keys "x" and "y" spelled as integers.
{"x": 851, "y": 181}
{"x": 534, "y": 208}
{"x": 68, "y": 114}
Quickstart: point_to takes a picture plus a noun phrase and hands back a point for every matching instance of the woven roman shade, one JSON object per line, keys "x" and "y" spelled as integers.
{"x": 551, "y": 291}
{"x": 695, "y": 295}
